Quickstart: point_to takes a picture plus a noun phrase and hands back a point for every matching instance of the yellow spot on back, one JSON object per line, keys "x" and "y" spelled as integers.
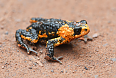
{"x": 32, "y": 21}
{"x": 66, "y": 32}
{"x": 52, "y": 33}
{"x": 30, "y": 27}
{"x": 44, "y": 35}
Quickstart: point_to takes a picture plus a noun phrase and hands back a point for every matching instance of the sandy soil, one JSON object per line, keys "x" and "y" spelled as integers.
{"x": 96, "y": 59}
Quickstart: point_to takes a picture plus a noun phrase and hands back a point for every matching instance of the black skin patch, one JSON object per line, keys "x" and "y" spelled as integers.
{"x": 77, "y": 30}
{"x": 46, "y": 30}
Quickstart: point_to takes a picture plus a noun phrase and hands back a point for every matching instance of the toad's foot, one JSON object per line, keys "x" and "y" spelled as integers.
{"x": 54, "y": 59}
{"x": 31, "y": 50}
{"x": 86, "y": 38}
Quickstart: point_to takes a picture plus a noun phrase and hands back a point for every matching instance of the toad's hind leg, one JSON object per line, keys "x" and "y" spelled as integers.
{"x": 30, "y": 36}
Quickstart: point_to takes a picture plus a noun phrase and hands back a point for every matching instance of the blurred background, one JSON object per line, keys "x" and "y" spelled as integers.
{"x": 96, "y": 12}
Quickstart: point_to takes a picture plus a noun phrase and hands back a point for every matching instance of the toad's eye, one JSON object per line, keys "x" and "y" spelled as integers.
{"x": 85, "y": 29}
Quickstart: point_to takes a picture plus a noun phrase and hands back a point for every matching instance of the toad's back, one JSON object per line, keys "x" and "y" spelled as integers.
{"x": 47, "y": 28}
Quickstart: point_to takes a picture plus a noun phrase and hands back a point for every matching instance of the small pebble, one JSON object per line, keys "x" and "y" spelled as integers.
{"x": 30, "y": 67}
{"x": 38, "y": 58}
{"x": 109, "y": 22}
{"x": 52, "y": 70}
{"x": 86, "y": 68}
{"x": 35, "y": 64}
{"x": 114, "y": 75}
{"x": 62, "y": 71}
{"x": 113, "y": 59}
{"x": 6, "y": 33}
{"x": 66, "y": 71}
{"x": 2, "y": 27}
{"x": 73, "y": 72}
{"x": 41, "y": 51}
{"x": 105, "y": 44}
{"x": 6, "y": 64}
{"x": 2, "y": 67}
{"x": 96, "y": 76}
{"x": 96, "y": 50}
{"x": 95, "y": 35}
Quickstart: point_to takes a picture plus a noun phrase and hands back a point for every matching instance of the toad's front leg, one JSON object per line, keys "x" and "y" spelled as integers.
{"x": 50, "y": 48}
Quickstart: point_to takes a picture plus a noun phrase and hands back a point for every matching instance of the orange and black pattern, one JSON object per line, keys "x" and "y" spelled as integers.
{"x": 53, "y": 32}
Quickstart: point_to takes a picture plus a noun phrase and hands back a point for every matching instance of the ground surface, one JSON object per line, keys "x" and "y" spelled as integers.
{"x": 96, "y": 59}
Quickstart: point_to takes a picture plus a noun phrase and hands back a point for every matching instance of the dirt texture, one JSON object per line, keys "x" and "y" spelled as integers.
{"x": 96, "y": 59}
